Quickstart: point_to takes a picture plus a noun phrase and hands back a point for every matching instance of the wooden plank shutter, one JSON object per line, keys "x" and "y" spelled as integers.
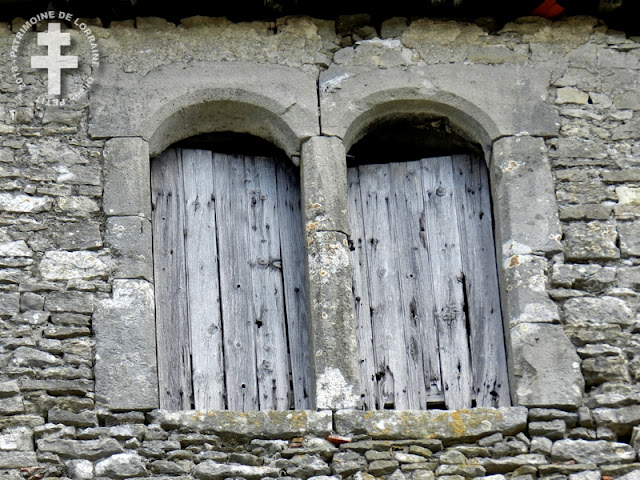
{"x": 230, "y": 290}
{"x": 429, "y": 325}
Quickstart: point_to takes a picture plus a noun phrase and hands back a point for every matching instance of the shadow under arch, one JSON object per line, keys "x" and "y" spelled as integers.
{"x": 466, "y": 119}
{"x": 188, "y": 120}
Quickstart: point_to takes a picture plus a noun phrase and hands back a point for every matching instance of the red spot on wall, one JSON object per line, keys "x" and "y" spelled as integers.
{"x": 548, "y": 9}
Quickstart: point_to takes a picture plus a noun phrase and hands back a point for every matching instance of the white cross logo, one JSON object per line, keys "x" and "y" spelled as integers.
{"x": 54, "y": 61}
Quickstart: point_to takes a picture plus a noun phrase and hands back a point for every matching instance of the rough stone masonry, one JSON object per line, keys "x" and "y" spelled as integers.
{"x": 571, "y": 288}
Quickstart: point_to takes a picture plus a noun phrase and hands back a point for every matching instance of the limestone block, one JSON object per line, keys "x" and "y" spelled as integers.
{"x": 24, "y": 203}
{"x": 80, "y": 469}
{"x": 18, "y": 459}
{"x": 461, "y": 425}
{"x": 590, "y": 278}
{"x": 130, "y": 242}
{"x": 210, "y": 470}
{"x": 18, "y": 248}
{"x": 61, "y": 265}
{"x": 267, "y": 424}
{"x": 629, "y": 238}
{"x": 620, "y": 420}
{"x": 508, "y": 104}
{"x": 11, "y": 405}
{"x": 121, "y": 465}
{"x": 31, "y": 357}
{"x": 525, "y": 284}
{"x": 127, "y": 189}
{"x": 572, "y": 95}
{"x": 520, "y": 170}
{"x": 509, "y": 464}
{"x": 77, "y": 449}
{"x": 332, "y": 321}
{"x": 600, "y": 310}
{"x": 9, "y": 303}
{"x": 590, "y": 241}
{"x": 78, "y": 206}
{"x": 19, "y": 438}
{"x": 124, "y": 329}
{"x": 546, "y": 367}
{"x": 598, "y": 452}
{"x": 324, "y": 185}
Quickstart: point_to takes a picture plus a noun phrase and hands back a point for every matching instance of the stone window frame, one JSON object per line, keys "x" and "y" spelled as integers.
{"x": 510, "y": 119}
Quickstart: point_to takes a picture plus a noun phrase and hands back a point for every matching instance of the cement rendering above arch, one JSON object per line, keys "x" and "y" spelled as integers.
{"x": 275, "y": 102}
{"x": 485, "y": 102}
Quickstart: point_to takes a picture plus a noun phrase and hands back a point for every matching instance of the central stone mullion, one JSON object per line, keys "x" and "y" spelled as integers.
{"x": 332, "y": 320}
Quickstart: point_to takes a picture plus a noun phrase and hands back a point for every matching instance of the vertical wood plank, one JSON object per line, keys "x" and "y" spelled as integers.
{"x": 203, "y": 289}
{"x": 446, "y": 266}
{"x": 416, "y": 295}
{"x": 360, "y": 272}
{"x": 294, "y": 277}
{"x": 272, "y": 363}
{"x": 490, "y": 380}
{"x": 389, "y": 349}
{"x": 172, "y": 325}
{"x": 232, "y": 215}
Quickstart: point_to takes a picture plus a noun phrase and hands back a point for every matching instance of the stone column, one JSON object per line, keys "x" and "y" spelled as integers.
{"x": 332, "y": 318}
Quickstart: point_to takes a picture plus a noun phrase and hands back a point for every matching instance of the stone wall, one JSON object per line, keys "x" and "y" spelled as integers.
{"x": 63, "y": 250}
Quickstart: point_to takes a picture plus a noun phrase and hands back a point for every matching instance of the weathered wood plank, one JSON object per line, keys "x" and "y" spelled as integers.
{"x": 232, "y": 215}
{"x": 384, "y": 288}
{"x": 360, "y": 269}
{"x": 203, "y": 289}
{"x": 295, "y": 289}
{"x": 272, "y": 362}
{"x": 488, "y": 358}
{"x": 416, "y": 295}
{"x": 172, "y": 325}
{"x": 446, "y": 267}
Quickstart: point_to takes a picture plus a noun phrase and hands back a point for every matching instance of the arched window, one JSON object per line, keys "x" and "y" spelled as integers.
{"x": 425, "y": 283}
{"x": 229, "y": 268}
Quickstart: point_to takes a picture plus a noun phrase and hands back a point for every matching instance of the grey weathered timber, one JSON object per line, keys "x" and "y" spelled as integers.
{"x": 203, "y": 291}
{"x": 246, "y": 323}
{"x": 235, "y": 282}
{"x": 423, "y": 259}
{"x": 267, "y": 289}
{"x": 172, "y": 325}
{"x": 359, "y": 266}
{"x": 446, "y": 273}
{"x": 411, "y": 241}
{"x": 295, "y": 284}
{"x": 388, "y": 349}
{"x": 488, "y": 357}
